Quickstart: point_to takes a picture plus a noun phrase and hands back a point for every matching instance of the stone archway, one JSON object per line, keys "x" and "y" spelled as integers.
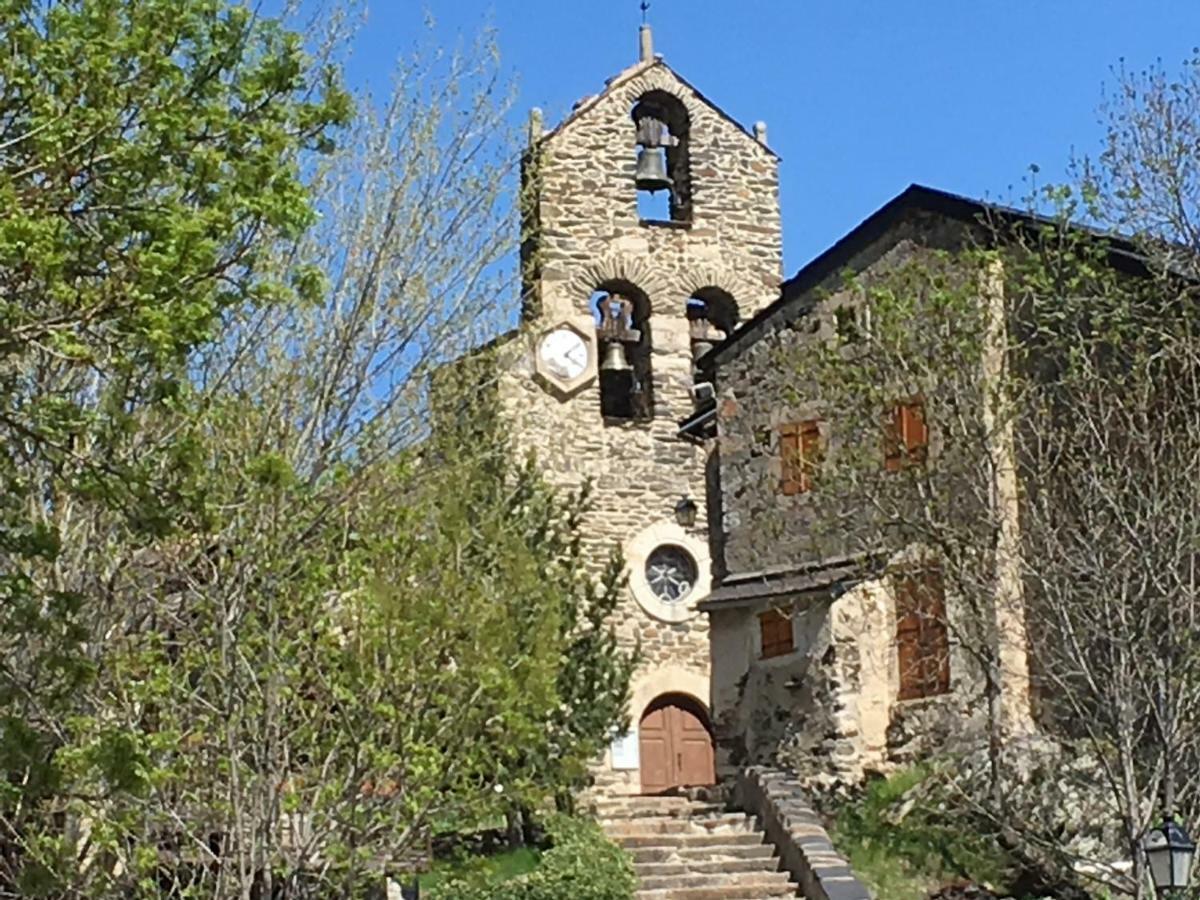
{"x": 675, "y": 744}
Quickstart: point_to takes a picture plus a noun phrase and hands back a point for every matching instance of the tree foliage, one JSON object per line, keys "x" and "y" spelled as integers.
{"x": 1057, "y": 374}
{"x": 261, "y": 622}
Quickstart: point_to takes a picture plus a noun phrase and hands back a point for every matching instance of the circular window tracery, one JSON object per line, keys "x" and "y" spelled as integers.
{"x": 671, "y": 573}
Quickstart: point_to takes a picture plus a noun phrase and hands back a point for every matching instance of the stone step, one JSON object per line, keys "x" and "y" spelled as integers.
{"x": 642, "y": 807}
{"x": 722, "y": 892}
{"x": 703, "y": 839}
{"x": 758, "y": 863}
{"x": 679, "y": 825}
{"x": 711, "y": 879}
{"x": 702, "y": 854}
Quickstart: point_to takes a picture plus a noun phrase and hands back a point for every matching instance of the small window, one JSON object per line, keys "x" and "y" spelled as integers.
{"x": 922, "y": 639}
{"x": 775, "y": 627}
{"x": 905, "y": 436}
{"x": 800, "y": 452}
{"x": 847, "y": 321}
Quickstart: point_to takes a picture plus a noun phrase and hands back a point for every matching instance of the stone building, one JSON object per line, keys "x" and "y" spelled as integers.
{"x": 831, "y": 657}
{"x": 652, "y": 228}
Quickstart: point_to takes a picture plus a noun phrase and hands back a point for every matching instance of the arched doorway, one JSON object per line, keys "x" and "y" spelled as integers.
{"x": 675, "y": 744}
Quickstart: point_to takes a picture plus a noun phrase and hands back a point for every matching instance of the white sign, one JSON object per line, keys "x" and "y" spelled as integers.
{"x": 625, "y": 751}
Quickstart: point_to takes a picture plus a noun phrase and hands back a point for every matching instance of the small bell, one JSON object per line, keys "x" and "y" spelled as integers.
{"x": 614, "y": 359}
{"x": 617, "y": 382}
{"x": 652, "y": 171}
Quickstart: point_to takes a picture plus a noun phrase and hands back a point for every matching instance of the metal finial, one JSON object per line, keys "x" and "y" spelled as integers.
{"x": 645, "y": 10}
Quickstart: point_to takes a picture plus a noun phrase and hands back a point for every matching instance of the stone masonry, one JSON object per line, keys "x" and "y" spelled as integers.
{"x": 589, "y": 237}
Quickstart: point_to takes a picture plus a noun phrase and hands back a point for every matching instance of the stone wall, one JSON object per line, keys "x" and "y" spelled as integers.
{"x": 795, "y": 829}
{"x": 589, "y": 235}
{"x": 830, "y": 708}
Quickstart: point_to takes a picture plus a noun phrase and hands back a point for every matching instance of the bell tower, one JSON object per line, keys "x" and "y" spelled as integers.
{"x": 651, "y": 229}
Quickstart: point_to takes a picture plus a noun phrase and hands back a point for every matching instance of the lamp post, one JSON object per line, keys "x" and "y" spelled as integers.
{"x": 1169, "y": 852}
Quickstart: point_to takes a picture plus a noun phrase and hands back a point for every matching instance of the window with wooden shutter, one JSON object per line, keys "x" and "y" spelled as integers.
{"x": 775, "y": 628}
{"x": 799, "y": 455}
{"x": 905, "y": 435}
{"x": 922, "y": 639}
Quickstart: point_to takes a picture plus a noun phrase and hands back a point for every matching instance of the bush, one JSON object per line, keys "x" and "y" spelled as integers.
{"x": 581, "y": 864}
{"x": 904, "y": 840}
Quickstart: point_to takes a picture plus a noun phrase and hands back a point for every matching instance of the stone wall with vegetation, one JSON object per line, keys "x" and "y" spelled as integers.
{"x": 830, "y": 708}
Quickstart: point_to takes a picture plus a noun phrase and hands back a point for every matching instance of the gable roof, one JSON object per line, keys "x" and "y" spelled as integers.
{"x": 637, "y": 69}
{"x": 796, "y": 298}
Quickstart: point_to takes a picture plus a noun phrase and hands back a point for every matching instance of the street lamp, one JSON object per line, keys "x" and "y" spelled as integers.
{"x": 1169, "y": 853}
{"x": 685, "y": 512}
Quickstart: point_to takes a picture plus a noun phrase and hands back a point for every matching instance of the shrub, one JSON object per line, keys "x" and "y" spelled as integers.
{"x": 581, "y": 864}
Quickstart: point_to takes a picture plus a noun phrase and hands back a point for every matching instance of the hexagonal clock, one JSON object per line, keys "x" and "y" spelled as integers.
{"x": 564, "y": 358}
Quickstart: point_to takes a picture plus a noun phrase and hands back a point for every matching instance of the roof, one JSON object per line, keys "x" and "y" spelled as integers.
{"x": 824, "y": 577}
{"x": 796, "y": 293}
{"x": 628, "y": 75}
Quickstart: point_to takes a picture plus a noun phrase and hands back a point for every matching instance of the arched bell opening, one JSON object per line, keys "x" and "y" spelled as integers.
{"x": 622, "y": 314}
{"x": 663, "y": 172}
{"x": 675, "y": 744}
{"x": 712, "y": 315}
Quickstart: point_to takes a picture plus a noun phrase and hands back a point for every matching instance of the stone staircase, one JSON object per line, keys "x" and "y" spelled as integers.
{"x": 693, "y": 849}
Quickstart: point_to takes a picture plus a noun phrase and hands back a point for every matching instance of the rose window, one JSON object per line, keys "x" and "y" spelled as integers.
{"x": 671, "y": 573}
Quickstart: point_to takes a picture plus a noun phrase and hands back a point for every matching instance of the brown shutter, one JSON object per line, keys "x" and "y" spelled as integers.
{"x": 775, "y": 628}
{"x": 905, "y": 435}
{"x": 800, "y": 453}
{"x": 916, "y": 432}
{"x": 790, "y": 459}
{"x": 922, "y": 639}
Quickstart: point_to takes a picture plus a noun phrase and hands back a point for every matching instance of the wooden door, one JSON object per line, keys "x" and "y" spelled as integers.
{"x": 675, "y": 746}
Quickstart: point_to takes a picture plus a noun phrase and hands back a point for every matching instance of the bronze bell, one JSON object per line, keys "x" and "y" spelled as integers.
{"x": 614, "y": 358}
{"x": 652, "y": 171}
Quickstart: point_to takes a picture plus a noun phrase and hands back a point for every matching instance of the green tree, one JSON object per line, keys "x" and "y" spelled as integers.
{"x": 148, "y": 152}
{"x": 323, "y": 623}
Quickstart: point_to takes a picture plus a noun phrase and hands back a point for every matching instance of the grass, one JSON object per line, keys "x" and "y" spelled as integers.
{"x": 499, "y": 867}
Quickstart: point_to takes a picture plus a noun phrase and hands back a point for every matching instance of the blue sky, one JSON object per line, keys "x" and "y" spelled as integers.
{"x": 861, "y": 97}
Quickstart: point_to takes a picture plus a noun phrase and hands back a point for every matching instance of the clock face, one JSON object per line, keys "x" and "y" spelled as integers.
{"x": 564, "y": 353}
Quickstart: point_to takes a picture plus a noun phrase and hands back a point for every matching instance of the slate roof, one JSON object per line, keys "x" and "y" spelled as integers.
{"x": 795, "y": 294}
{"x": 825, "y": 577}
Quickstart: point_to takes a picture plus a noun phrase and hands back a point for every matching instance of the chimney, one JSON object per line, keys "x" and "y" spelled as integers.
{"x": 535, "y": 126}
{"x": 646, "y": 44}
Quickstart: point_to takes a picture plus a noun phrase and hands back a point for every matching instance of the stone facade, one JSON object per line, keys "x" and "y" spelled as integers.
{"x": 585, "y": 236}
{"x": 831, "y": 707}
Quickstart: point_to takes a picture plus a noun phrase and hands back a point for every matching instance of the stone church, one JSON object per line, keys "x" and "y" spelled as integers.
{"x": 653, "y": 228}
{"x": 654, "y": 289}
